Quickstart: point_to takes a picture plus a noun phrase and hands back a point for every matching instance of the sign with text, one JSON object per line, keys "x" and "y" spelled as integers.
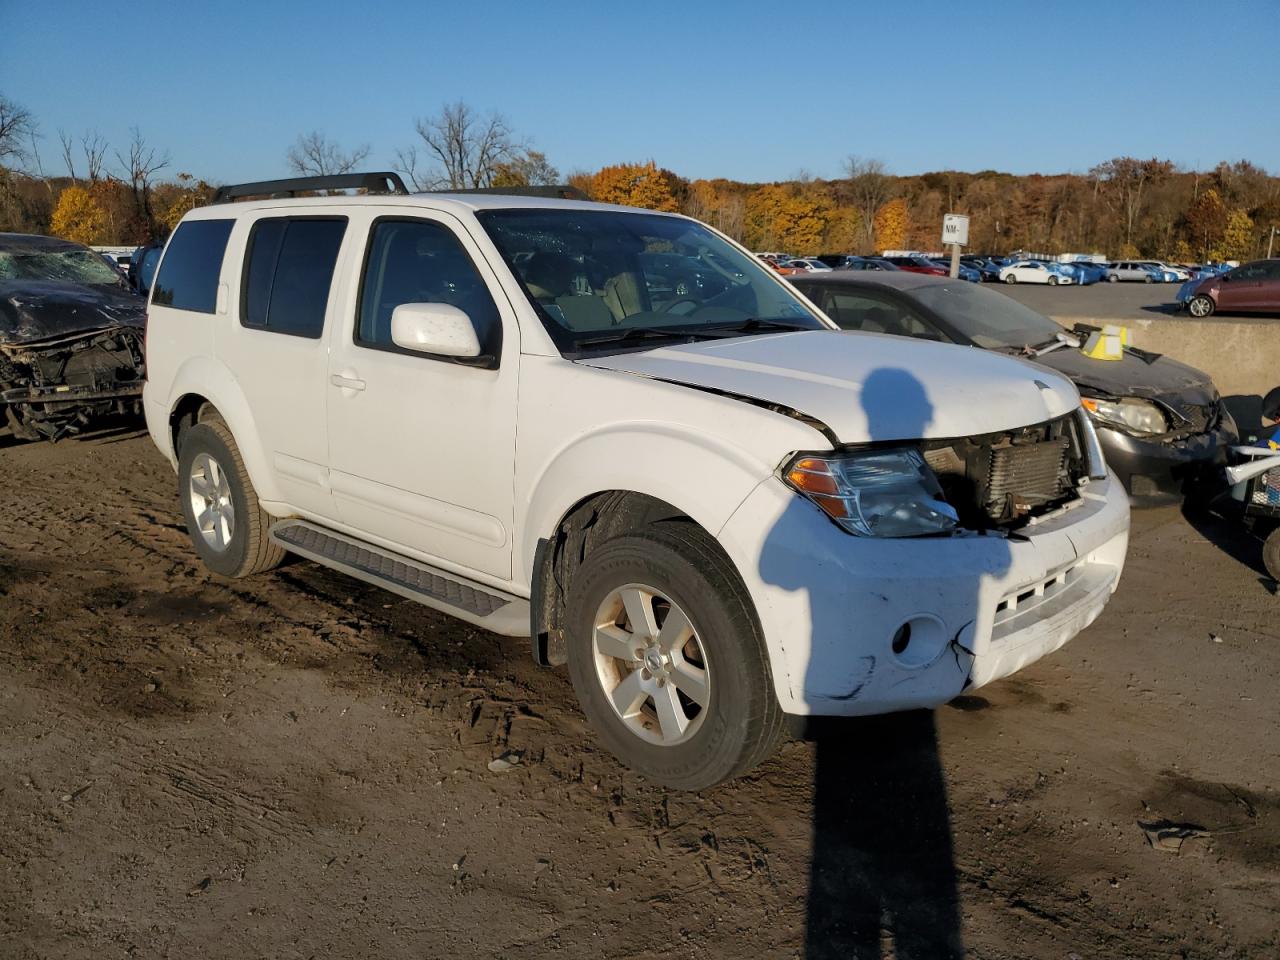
{"x": 955, "y": 229}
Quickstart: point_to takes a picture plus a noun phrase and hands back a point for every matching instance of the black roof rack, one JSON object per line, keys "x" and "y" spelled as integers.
{"x": 372, "y": 182}
{"x": 559, "y": 191}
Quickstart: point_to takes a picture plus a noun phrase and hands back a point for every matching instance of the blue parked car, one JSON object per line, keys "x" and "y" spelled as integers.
{"x": 1089, "y": 272}
{"x": 966, "y": 272}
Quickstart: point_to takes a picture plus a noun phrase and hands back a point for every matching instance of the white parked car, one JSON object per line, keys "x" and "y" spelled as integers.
{"x": 807, "y": 264}
{"x": 1031, "y": 271}
{"x": 1180, "y": 274}
{"x": 716, "y": 511}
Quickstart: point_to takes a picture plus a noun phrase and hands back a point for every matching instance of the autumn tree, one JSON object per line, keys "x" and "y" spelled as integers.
{"x": 637, "y": 185}
{"x": 530, "y": 168}
{"x": 138, "y": 167}
{"x": 315, "y": 155}
{"x": 1206, "y": 220}
{"x": 79, "y": 217}
{"x": 458, "y": 149}
{"x": 868, "y": 187}
{"x": 892, "y": 224}
{"x": 1237, "y": 237}
{"x": 1126, "y": 180}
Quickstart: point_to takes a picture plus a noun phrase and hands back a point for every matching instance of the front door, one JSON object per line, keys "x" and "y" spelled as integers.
{"x": 422, "y": 447}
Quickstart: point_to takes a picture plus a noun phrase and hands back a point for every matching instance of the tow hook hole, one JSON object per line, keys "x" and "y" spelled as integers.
{"x": 902, "y": 637}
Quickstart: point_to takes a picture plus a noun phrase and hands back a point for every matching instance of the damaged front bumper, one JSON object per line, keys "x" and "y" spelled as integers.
{"x": 1157, "y": 470}
{"x": 53, "y": 387}
{"x": 858, "y": 625}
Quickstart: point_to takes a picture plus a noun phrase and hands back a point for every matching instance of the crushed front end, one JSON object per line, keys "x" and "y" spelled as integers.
{"x": 52, "y": 387}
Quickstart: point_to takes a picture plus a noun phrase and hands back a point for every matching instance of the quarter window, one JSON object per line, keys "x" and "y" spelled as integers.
{"x": 288, "y": 273}
{"x": 420, "y": 261}
{"x": 192, "y": 263}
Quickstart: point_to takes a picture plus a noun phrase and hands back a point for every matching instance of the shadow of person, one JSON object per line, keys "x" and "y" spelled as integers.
{"x": 882, "y": 864}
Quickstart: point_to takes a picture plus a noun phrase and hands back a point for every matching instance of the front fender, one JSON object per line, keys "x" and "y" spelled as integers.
{"x": 700, "y": 474}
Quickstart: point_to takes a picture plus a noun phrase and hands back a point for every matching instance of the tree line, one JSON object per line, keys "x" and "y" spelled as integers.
{"x": 1123, "y": 207}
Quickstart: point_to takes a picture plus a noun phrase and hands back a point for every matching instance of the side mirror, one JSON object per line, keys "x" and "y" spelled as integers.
{"x": 438, "y": 328}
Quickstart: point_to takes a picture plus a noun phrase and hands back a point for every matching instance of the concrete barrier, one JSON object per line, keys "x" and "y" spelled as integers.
{"x": 1241, "y": 354}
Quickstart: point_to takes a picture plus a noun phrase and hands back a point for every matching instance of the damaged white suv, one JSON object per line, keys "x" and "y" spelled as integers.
{"x": 617, "y": 433}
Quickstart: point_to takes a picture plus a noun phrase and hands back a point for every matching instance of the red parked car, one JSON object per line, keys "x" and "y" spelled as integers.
{"x": 1250, "y": 288}
{"x": 917, "y": 263}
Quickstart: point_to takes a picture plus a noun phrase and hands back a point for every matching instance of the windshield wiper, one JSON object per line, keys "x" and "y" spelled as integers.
{"x": 752, "y": 324}
{"x": 631, "y": 334}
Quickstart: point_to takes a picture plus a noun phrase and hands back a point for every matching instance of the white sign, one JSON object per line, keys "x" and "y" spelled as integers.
{"x": 955, "y": 229}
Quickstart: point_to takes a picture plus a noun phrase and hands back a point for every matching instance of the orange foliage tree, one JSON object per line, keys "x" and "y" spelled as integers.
{"x": 892, "y": 225}
{"x": 637, "y": 185}
{"x": 78, "y": 216}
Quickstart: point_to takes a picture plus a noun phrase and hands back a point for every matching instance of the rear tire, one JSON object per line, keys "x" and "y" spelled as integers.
{"x": 1112, "y": 278}
{"x": 635, "y": 695}
{"x": 230, "y": 533}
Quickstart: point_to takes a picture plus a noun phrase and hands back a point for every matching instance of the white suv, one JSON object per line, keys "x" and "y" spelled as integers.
{"x": 715, "y": 507}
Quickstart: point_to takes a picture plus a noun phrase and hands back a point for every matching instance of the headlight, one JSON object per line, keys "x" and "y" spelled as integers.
{"x": 878, "y": 493}
{"x": 1128, "y": 413}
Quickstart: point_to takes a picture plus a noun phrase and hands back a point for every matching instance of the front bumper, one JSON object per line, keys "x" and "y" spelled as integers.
{"x": 1156, "y": 472}
{"x": 833, "y": 606}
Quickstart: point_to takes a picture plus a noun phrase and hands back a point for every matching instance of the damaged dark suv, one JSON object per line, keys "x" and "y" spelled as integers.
{"x": 71, "y": 338}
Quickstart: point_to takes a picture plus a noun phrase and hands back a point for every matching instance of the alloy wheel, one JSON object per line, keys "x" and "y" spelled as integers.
{"x": 651, "y": 664}
{"x": 211, "y": 502}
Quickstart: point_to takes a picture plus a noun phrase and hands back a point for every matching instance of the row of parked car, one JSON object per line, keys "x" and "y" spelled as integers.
{"x": 1015, "y": 269}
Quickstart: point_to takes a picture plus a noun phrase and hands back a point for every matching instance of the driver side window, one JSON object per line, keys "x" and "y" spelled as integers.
{"x": 857, "y": 311}
{"x": 421, "y": 261}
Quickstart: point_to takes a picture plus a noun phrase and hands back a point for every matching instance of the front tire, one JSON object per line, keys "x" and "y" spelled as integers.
{"x": 1010, "y": 278}
{"x": 227, "y": 526}
{"x": 1201, "y": 307}
{"x": 1271, "y": 554}
{"x": 668, "y": 659}
{"x": 1112, "y": 278}
{"x": 1053, "y": 281}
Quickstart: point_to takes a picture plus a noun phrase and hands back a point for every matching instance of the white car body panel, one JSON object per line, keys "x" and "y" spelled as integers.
{"x": 1025, "y": 272}
{"x": 469, "y": 468}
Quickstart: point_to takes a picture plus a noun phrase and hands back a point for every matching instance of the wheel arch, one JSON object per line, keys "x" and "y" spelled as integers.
{"x": 203, "y": 385}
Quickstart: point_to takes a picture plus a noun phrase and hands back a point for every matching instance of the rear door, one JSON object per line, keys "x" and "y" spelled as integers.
{"x": 276, "y": 346}
{"x": 1246, "y": 288}
{"x": 422, "y": 447}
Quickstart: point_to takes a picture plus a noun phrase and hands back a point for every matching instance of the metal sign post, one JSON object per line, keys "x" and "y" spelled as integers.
{"x": 955, "y": 234}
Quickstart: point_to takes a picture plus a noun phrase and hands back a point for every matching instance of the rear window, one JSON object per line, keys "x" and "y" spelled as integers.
{"x": 192, "y": 262}
{"x": 288, "y": 272}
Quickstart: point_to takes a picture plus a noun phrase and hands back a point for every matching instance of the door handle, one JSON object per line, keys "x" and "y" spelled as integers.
{"x": 345, "y": 382}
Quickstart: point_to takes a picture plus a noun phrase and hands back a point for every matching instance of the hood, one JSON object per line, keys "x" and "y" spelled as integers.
{"x": 40, "y": 309}
{"x": 865, "y": 386}
{"x": 1131, "y": 376}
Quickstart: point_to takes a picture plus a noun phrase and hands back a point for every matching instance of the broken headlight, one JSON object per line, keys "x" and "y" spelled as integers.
{"x": 874, "y": 493}
{"x": 1128, "y": 413}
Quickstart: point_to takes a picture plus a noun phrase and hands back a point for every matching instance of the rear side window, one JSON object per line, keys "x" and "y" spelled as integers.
{"x": 188, "y": 277}
{"x": 288, "y": 273}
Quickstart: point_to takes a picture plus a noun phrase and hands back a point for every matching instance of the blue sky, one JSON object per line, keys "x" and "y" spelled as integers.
{"x": 750, "y": 91}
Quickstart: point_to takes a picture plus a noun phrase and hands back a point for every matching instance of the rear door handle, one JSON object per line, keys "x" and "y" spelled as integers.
{"x": 346, "y": 383}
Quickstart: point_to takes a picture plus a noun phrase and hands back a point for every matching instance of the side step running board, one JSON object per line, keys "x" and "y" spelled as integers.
{"x": 482, "y": 605}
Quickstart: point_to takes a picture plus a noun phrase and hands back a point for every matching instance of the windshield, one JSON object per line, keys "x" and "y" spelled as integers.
{"x": 71, "y": 266}
{"x": 596, "y": 275}
{"x": 990, "y": 320}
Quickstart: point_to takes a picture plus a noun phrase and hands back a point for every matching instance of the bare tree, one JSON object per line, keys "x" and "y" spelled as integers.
{"x": 868, "y": 188}
{"x": 17, "y": 129}
{"x": 94, "y": 146}
{"x": 68, "y": 153}
{"x": 460, "y": 149}
{"x": 315, "y": 155}
{"x": 142, "y": 163}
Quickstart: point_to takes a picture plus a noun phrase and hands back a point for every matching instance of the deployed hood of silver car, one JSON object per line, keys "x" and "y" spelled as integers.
{"x": 32, "y": 310}
{"x": 865, "y": 386}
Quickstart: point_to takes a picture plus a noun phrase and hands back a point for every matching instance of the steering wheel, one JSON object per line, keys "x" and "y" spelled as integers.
{"x": 671, "y": 307}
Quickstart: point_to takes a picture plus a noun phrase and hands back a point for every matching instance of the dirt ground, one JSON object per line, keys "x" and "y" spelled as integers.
{"x": 296, "y": 766}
